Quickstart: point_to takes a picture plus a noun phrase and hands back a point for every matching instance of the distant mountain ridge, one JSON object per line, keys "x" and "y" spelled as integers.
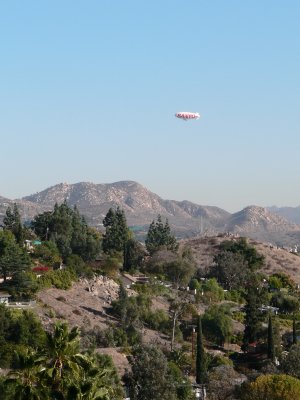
{"x": 141, "y": 206}
{"x": 292, "y": 214}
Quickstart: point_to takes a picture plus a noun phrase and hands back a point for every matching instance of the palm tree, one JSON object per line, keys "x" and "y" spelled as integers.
{"x": 25, "y": 381}
{"x": 64, "y": 361}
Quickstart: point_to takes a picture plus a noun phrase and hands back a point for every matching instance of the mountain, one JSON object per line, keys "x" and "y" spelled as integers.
{"x": 292, "y": 214}
{"x": 27, "y": 209}
{"x": 141, "y": 206}
{"x": 257, "y": 222}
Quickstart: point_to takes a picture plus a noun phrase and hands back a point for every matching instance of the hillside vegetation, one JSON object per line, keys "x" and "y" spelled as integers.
{"x": 101, "y": 316}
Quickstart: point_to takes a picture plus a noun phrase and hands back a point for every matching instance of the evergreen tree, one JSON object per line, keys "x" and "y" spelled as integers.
{"x": 159, "y": 235}
{"x": 12, "y": 222}
{"x": 271, "y": 345}
{"x": 69, "y": 231}
{"x": 116, "y": 233}
{"x": 201, "y": 359}
{"x": 134, "y": 254}
{"x": 294, "y": 331}
{"x": 252, "y": 317}
{"x": 151, "y": 376}
{"x": 13, "y": 258}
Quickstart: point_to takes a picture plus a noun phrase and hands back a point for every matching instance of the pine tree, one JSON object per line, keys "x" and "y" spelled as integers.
{"x": 201, "y": 360}
{"x": 159, "y": 235}
{"x": 117, "y": 232}
{"x": 271, "y": 345}
{"x": 12, "y": 222}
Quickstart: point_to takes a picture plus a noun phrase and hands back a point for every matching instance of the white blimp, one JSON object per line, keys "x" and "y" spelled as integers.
{"x": 186, "y": 115}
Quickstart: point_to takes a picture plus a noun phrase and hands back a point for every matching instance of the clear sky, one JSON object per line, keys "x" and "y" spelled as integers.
{"x": 89, "y": 89}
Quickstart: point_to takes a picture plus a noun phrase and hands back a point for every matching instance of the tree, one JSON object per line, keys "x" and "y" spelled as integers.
{"x": 134, "y": 253}
{"x": 178, "y": 308}
{"x": 271, "y": 345}
{"x": 116, "y": 233}
{"x": 272, "y": 387}
{"x": 201, "y": 358}
{"x": 290, "y": 364}
{"x": 217, "y": 324}
{"x": 13, "y": 258}
{"x": 150, "y": 377}
{"x": 61, "y": 372}
{"x": 254, "y": 260}
{"x": 253, "y": 317}
{"x": 222, "y": 381}
{"x": 159, "y": 235}
{"x": 69, "y": 231}
{"x": 12, "y": 222}
{"x": 294, "y": 330}
{"x": 230, "y": 269}
{"x": 25, "y": 382}
{"x": 48, "y": 253}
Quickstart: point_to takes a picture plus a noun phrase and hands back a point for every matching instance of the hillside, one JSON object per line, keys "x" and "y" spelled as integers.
{"x": 277, "y": 259}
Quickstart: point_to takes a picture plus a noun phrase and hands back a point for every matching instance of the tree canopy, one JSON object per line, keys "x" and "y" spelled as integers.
{"x": 69, "y": 231}
{"x": 159, "y": 236}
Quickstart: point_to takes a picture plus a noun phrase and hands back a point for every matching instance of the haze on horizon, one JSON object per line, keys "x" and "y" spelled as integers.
{"x": 89, "y": 91}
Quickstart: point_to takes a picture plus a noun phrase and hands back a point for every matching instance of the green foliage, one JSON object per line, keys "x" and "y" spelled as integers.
{"x": 281, "y": 280}
{"x": 286, "y": 303}
{"x": 48, "y": 253}
{"x": 61, "y": 279}
{"x": 62, "y": 372}
{"x": 201, "y": 357}
{"x": 116, "y": 231}
{"x": 217, "y": 324}
{"x": 253, "y": 317}
{"x": 272, "y": 387}
{"x": 194, "y": 284}
{"x": 271, "y": 344}
{"x": 69, "y": 231}
{"x": 218, "y": 360}
{"x": 18, "y": 331}
{"x": 76, "y": 263}
{"x": 151, "y": 376}
{"x": 112, "y": 264}
{"x": 23, "y": 285}
{"x": 13, "y": 258}
{"x": 134, "y": 253}
{"x": 159, "y": 236}
{"x": 231, "y": 269}
{"x": 176, "y": 268}
{"x": 12, "y": 222}
{"x": 290, "y": 363}
{"x": 210, "y": 292}
{"x": 158, "y": 320}
{"x": 254, "y": 260}
{"x": 237, "y": 296}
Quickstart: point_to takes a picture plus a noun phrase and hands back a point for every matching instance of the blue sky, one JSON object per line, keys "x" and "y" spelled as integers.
{"x": 89, "y": 90}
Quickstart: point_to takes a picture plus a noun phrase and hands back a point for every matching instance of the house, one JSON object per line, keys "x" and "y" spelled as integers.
{"x": 4, "y": 297}
{"x": 129, "y": 280}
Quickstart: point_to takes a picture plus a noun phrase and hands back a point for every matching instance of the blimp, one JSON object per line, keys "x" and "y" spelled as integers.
{"x": 187, "y": 115}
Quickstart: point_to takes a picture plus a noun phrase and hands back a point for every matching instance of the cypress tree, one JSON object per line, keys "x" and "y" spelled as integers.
{"x": 271, "y": 346}
{"x": 253, "y": 316}
{"x": 201, "y": 364}
{"x": 294, "y": 331}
